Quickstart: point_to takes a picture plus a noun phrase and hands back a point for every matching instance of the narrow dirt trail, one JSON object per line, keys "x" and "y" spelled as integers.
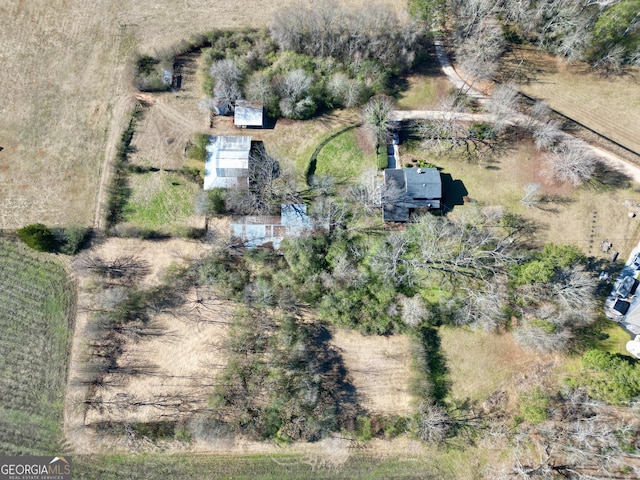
{"x": 449, "y": 70}
{"x": 122, "y": 101}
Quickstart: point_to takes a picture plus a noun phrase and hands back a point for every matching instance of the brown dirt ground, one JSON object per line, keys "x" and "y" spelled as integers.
{"x": 171, "y": 120}
{"x": 159, "y": 256}
{"x": 185, "y": 361}
{"x": 380, "y": 369}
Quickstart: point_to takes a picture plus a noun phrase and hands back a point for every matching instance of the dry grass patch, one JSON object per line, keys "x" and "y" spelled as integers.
{"x": 584, "y": 216}
{"x": 379, "y": 368}
{"x": 608, "y": 104}
{"x": 159, "y": 255}
{"x": 424, "y": 92}
{"x": 60, "y": 63}
{"x": 481, "y": 363}
{"x": 182, "y": 360}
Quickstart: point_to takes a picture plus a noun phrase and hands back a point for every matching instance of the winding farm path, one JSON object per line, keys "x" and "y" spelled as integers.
{"x": 629, "y": 169}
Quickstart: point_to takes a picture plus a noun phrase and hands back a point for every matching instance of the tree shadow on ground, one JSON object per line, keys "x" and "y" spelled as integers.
{"x": 453, "y": 192}
{"x": 332, "y": 366}
{"x": 550, "y": 203}
{"x": 609, "y": 176}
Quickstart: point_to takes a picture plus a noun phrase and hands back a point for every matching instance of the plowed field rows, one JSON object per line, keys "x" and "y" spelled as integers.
{"x": 36, "y": 311}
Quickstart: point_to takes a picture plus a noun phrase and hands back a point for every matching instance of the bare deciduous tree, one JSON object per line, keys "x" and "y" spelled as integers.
{"x": 413, "y": 310}
{"x": 329, "y": 29}
{"x": 574, "y": 289}
{"x": 479, "y": 41}
{"x": 226, "y": 71}
{"x": 484, "y": 307}
{"x": 432, "y": 423}
{"x": 227, "y": 76}
{"x": 612, "y": 60}
{"x": 126, "y": 268}
{"x": 582, "y": 439}
{"x": 344, "y": 90}
{"x": 259, "y": 89}
{"x": 294, "y": 90}
{"x": 537, "y": 338}
{"x": 546, "y": 135}
{"x": 531, "y": 195}
{"x": 571, "y": 161}
{"x": 504, "y": 103}
{"x": 445, "y": 132}
{"x": 377, "y": 116}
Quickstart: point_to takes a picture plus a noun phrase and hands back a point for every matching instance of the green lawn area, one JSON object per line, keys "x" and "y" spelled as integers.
{"x": 343, "y": 158}
{"x": 36, "y": 317}
{"x": 616, "y": 339}
{"x": 275, "y": 467}
{"x": 160, "y": 201}
{"x": 422, "y": 93}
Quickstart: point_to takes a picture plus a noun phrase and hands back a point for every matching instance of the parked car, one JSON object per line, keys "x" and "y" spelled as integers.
{"x": 621, "y": 307}
{"x": 635, "y": 263}
{"x": 625, "y": 287}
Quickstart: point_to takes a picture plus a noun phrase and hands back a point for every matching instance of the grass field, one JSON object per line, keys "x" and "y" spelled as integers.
{"x": 275, "y": 467}
{"x": 608, "y": 104}
{"x": 162, "y": 201}
{"x": 481, "y": 363}
{"x": 616, "y": 339}
{"x": 343, "y": 158}
{"x": 423, "y": 92}
{"x": 36, "y": 311}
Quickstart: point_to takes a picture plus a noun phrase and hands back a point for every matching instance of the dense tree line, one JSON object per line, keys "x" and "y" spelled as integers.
{"x": 314, "y": 57}
{"x": 605, "y": 33}
{"x": 351, "y": 36}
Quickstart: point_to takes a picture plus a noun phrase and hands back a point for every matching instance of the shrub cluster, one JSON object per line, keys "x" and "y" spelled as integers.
{"x": 68, "y": 240}
{"x": 314, "y": 58}
{"x": 609, "y": 377}
{"x": 119, "y": 190}
{"x": 151, "y": 73}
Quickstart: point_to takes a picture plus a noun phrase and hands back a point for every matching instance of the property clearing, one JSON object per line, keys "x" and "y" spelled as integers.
{"x": 174, "y": 367}
{"x": 379, "y": 368}
{"x": 485, "y": 366}
{"x": 582, "y": 216}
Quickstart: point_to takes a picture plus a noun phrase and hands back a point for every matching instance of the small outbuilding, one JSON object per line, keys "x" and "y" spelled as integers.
{"x": 167, "y": 77}
{"x": 220, "y": 107}
{"x": 227, "y": 163}
{"x": 248, "y": 115}
{"x": 410, "y": 189}
{"x": 258, "y": 230}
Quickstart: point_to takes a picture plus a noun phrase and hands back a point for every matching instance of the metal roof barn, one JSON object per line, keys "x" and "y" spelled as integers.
{"x": 248, "y": 114}
{"x": 227, "y": 162}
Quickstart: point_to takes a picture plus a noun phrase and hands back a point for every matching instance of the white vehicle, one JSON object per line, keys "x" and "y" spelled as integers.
{"x": 633, "y": 347}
